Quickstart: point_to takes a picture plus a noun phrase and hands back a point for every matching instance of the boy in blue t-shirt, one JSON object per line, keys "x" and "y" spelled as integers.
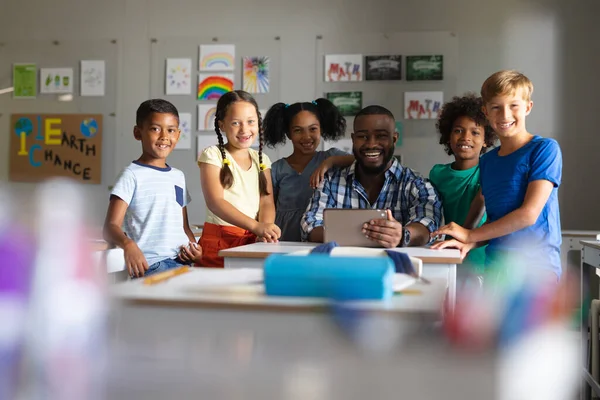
{"x": 519, "y": 182}
{"x": 147, "y": 214}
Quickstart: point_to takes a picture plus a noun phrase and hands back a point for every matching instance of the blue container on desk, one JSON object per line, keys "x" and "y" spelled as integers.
{"x": 321, "y": 275}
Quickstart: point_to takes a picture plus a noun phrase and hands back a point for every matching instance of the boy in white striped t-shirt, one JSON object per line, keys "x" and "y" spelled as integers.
{"x": 149, "y": 199}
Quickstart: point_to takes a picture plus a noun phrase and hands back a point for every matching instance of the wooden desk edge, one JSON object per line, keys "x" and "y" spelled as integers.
{"x": 264, "y": 254}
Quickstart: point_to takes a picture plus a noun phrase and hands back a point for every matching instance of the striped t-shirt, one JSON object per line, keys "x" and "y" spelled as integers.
{"x": 154, "y": 217}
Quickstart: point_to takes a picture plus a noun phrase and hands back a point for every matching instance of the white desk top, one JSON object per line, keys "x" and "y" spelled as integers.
{"x": 591, "y": 243}
{"x": 263, "y": 250}
{"x": 574, "y": 233}
{"x": 243, "y": 289}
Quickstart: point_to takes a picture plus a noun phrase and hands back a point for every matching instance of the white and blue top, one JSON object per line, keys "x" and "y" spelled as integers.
{"x": 154, "y": 218}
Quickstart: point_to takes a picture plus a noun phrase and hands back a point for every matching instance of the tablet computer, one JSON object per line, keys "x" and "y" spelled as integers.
{"x": 344, "y": 226}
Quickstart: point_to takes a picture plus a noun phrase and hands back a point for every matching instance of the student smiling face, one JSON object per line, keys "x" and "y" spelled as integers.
{"x": 467, "y": 139}
{"x": 159, "y": 134}
{"x": 305, "y": 132}
{"x": 373, "y": 142}
{"x": 240, "y": 125}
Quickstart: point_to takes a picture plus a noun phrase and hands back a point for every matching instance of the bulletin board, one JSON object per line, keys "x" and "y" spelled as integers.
{"x": 48, "y": 145}
{"x": 188, "y": 47}
{"x": 73, "y": 115}
{"x": 390, "y": 94}
{"x": 418, "y": 136}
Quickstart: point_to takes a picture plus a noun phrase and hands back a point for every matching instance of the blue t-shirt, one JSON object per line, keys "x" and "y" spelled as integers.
{"x": 504, "y": 182}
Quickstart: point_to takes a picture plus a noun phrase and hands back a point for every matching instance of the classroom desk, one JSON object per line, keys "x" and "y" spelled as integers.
{"x": 436, "y": 263}
{"x": 590, "y": 257}
{"x": 241, "y": 344}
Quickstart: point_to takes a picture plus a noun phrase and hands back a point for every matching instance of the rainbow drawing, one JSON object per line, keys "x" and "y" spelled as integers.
{"x": 206, "y": 117}
{"x": 217, "y": 57}
{"x": 256, "y": 74}
{"x": 213, "y": 86}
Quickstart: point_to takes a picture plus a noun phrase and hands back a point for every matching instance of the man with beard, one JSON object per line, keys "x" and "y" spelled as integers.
{"x": 376, "y": 180}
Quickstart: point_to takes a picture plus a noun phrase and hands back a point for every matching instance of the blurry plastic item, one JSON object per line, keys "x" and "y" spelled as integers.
{"x": 320, "y": 275}
{"x": 66, "y": 338}
{"x": 16, "y": 258}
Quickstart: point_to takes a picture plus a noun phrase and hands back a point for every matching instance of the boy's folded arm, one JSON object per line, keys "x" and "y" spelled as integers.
{"x": 536, "y": 197}
{"x": 214, "y": 196}
{"x": 476, "y": 211}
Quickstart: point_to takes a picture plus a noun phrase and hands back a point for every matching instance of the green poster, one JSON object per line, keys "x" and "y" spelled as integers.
{"x": 349, "y": 103}
{"x": 399, "y": 129}
{"x": 24, "y": 81}
{"x": 424, "y": 68}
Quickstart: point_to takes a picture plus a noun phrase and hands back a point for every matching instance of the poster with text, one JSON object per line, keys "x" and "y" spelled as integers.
{"x": 423, "y": 105}
{"x": 343, "y": 67}
{"x": 349, "y": 103}
{"x": 24, "y": 81}
{"x": 424, "y": 68}
{"x": 52, "y": 145}
{"x": 383, "y": 68}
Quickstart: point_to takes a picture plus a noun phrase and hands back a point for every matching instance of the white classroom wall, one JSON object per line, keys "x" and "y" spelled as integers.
{"x": 553, "y": 42}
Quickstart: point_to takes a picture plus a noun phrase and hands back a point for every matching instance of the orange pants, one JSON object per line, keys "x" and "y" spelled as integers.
{"x": 219, "y": 237}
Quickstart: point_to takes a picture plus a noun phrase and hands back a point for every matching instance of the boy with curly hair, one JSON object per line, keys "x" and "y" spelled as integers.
{"x": 465, "y": 134}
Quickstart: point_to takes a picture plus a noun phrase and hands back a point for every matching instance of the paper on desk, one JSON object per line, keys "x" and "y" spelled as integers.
{"x": 402, "y": 281}
{"x": 209, "y": 277}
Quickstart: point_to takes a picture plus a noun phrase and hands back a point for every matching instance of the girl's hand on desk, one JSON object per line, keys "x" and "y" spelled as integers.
{"x": 265, "y": 240}
{"x": 192, "y": 253}
{"x": 455, "y": 244}
{"x": 134, "y": 260}
{"x": 267, "y": 231}
{"x": 456, "y": 231}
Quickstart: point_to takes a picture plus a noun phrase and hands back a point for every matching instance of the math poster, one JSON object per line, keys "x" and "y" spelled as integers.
{"x": 423, "y": 105}
{"x": 55, "y": 145}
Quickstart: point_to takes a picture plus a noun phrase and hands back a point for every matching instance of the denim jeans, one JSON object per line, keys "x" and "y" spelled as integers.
{"x": 163, "y": 265}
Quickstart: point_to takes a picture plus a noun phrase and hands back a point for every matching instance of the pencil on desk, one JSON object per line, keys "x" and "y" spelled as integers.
{"x": 163, "y": 276}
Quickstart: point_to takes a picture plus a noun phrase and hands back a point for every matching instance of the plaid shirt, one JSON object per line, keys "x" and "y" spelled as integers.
{"x": 410, "y": 197}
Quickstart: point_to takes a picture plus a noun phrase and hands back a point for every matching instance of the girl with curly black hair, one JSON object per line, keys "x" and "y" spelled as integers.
{"x": 295, "y": 176}
{"x": 466, "y": 135}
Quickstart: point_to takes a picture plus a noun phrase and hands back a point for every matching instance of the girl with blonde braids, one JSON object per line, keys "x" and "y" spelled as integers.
{"x": 236, "y": 181}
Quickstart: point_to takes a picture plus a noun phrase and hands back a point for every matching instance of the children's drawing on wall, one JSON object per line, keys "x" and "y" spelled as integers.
{"x": 422, "y": 105}
{"x": 383, "y": 68}
{"x": 92, "y": 77}
{"x": 206, "y": 117}
{"x": 217, "y": 57}
{"x": 185, "y": 138}
{"x": 56, "y": 80}
{"x": 24, "y": 81}
{"x": 178, "y": 76}
{"x": 425, "y": 68}
{"x": 349, "y": 103}
{"x": 343, "y": 67}
{"x": 213, "y": 86}
{"x": 255, "y": 75}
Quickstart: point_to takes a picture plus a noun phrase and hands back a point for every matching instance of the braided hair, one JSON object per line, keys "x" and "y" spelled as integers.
{"x": 226, "y": 176}
{"x": 280, "y": 115}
